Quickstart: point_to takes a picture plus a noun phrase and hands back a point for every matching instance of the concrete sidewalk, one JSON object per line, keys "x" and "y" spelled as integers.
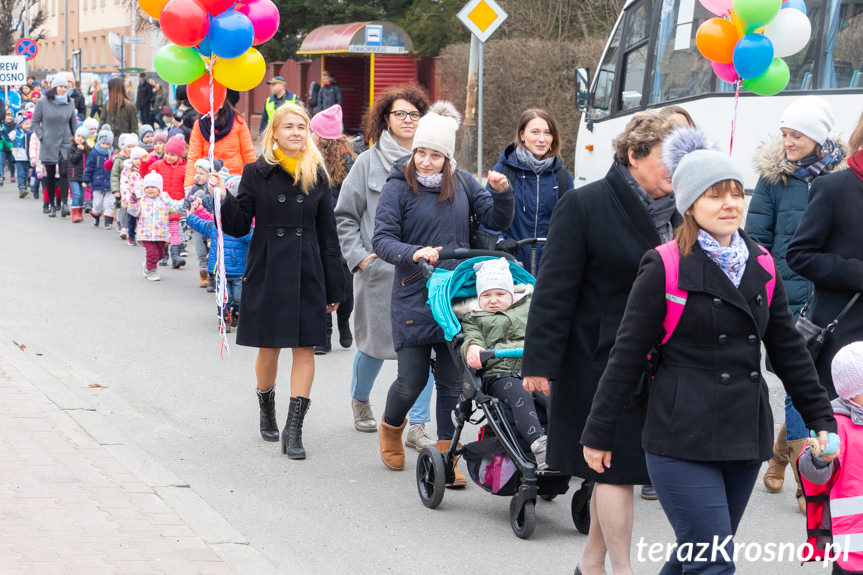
{"x": 67, "y": 505}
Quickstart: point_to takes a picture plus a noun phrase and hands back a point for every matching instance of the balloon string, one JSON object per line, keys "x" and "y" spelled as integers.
{"x": 221, "y": 280}
{"x": 734, "y": 117}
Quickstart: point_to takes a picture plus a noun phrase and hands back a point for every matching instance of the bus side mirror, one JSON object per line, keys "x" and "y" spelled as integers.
{"x": 582, "y": 88}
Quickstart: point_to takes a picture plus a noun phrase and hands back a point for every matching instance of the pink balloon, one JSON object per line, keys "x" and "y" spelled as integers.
{"x": 726, "y": 72}
{"x": 264, "y": 16}
{"x": 718, "y": 7}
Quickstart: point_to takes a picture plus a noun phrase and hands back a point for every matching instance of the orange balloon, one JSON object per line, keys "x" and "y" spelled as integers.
{"x": 716, "y": 39}
{"x": 152, "y": 7}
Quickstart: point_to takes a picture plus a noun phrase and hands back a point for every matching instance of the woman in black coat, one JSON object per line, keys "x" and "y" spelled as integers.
{"x": 597, "y": 237}
{"x": 293, "y": 273}
{"x": 709, "y": 424}
{"x": 423, "y": 209}
{"x": 828, "y": 251}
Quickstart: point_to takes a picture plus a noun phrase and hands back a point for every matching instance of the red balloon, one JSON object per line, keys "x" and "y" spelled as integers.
{"x": 198, "y": 93}
{"x": 216, "y": 7}
{"x": 184, "y": 22}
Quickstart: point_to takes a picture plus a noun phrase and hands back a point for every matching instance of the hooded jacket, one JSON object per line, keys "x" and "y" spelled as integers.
{"x": 777, "y": 205}
{"x": 236, "y": 249}
{"x": 95, "y": 173}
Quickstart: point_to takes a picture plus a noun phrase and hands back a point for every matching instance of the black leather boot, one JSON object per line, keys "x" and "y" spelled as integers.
{"x": 269, "y": 427}
{"x": 52, "y": 211}
{"x": 346, "y": 338}
{"x": 292, "y": 435}
{"x": 64, "y": 210}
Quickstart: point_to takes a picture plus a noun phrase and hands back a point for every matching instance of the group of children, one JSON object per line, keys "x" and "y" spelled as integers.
{"x": 139, "y": 188}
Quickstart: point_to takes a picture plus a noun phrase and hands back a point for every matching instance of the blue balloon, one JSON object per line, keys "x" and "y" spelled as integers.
{"x": 753, "y": 55}
{"x": 231, "y": 34}
{"x": 796, "y": 5}
{"x": 205, "y": 48}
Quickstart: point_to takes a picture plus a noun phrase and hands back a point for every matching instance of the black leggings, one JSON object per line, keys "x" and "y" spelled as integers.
{"x": 52, "y": 182}
{"x": 510, "y": 391}
{"x": 413, "y": 374}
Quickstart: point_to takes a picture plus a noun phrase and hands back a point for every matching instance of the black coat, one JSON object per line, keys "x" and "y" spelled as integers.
{"x": 596, "y": 239}
{"x": 406, "y": 222}
{"x": 708, "y": 400}
{"x": 294, "y": 264}
{"x": 828, "y": 251}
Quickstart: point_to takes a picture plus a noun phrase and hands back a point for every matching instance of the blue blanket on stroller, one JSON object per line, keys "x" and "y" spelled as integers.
{"x": 447, "y": 285}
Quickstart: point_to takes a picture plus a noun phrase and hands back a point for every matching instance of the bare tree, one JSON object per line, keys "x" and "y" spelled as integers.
{"x": 11, "y": 30}
{"x": 560, "y": 20}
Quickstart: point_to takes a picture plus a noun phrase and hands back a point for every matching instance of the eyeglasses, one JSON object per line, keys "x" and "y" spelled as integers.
{"x": 401, "y": 114}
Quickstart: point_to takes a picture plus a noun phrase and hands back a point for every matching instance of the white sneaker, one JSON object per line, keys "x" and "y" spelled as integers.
{"x": 418, "y": 438}
{"x": 538, "y": 447}
{"x": 153, "y": 276}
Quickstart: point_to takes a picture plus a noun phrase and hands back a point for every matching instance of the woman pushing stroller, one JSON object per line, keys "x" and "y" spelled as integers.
{"x": 500, "y": 322}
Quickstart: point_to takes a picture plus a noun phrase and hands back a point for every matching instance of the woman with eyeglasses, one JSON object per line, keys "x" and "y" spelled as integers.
{"x": 390, "y": 124}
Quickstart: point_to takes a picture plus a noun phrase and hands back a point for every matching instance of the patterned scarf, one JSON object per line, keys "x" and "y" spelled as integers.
{"x": 812, "y": 166}
{"x": 435, "y": 180}
{"x": 731, "y": 260}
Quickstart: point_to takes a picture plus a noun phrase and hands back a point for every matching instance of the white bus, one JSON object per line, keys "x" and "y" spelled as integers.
{"x": 651, "y": 61}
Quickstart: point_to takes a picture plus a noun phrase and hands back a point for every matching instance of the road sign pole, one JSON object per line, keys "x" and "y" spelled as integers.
{"x": 479, "y": 115}
{"x": 122, "y": 61}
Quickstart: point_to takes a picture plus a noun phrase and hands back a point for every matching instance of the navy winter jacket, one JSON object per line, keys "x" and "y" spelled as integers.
{"x": 236, "y": 249}
{"x": 406, "y": 222}
{"x": 535, "y": 198}
{"x": 95, "y": 173}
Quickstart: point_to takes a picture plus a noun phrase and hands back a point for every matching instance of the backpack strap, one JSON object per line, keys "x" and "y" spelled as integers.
{"x": 766, "y": 261}
{"x": 675, "y": 298}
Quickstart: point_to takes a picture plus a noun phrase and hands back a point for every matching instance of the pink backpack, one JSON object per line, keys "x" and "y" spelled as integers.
{"x": 675, "y": 298}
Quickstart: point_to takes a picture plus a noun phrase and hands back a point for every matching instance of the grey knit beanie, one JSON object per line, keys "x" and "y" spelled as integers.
{"x": 105, "y": 137}
{"x": 437, "y": 129}
{"x": 58, "y": 80}
{"x": 695, "y": 165}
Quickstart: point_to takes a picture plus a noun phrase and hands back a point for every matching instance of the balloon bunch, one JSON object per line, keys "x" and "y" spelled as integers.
{"x": 212, "y": 37}
{"x": 749, "y": 39}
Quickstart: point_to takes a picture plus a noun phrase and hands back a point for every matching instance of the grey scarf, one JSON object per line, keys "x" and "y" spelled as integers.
{"x": 434, "y": 181}
{"x": 526, "y": 158}
{"x": 389, "y": 150}
{"x": 660, "y": 210}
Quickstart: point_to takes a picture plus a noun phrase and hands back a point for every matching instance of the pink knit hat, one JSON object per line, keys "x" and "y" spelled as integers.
{"x": 176, "y": 146}
{"x": 328, "y": 123}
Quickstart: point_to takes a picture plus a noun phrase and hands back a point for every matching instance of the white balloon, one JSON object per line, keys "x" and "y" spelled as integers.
{"x": 789, "y": 31}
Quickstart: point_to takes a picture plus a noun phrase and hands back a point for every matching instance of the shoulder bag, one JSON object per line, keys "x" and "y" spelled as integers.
{"x": 480, "y": 238}
{"x": 816, "y": 335}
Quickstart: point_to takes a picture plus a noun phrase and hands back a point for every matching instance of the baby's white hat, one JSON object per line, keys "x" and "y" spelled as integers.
{"x": 152, "y": 180}
{"x": 137, "y": 153}
{"x": 847, "y": 368}
{"x": 493, "y": 274}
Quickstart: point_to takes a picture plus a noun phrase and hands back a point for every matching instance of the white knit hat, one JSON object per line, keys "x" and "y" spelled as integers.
{"x": 493, "y": 274}
{"x": 809, "y": 115}
{"x": 847, "y": 368}
{"x": 152, "y": 180}
{"x": 128, "y": 139}
{"x": 436, "y": 130}
{"x": 137, "y": 153}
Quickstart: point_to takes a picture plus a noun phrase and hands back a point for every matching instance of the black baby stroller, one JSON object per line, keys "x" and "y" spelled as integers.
{"x": 500, "y": 462}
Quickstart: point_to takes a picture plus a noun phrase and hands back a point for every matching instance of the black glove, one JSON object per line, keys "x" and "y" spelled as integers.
{"x": 508, "y": 245}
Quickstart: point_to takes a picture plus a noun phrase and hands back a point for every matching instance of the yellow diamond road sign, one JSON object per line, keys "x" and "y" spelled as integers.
{"x": 482, "y": 17}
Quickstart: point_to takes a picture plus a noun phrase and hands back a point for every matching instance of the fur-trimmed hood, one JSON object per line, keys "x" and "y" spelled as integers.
{"x": 771, "y": 164}
{"x": 465, "y": 306}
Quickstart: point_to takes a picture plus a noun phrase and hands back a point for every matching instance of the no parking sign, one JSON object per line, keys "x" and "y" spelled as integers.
{"x": 26, "y": 47}
{"x": 13, "y": 71}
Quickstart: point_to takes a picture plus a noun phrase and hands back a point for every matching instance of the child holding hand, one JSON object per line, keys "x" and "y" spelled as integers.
{"x": 151, "y": 210}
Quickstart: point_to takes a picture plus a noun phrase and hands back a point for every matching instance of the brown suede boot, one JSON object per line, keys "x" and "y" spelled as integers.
{"x": 774, "y": 477}
{"x": 204, "y": 277}
{"x": 795, "y": 447}
{"x": 392, "y": 448}
{"x": 459, "y": 480}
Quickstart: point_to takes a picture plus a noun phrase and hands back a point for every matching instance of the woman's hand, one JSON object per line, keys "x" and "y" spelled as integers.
{"x": 362, "y": 265}
{"x": 331, "y": 307}
{"x": 497, "y": 181}
{"x": 428, "y": 253}
{"x": 597, "y": 460}
{"x": 217, "y": 181}
{"x": 533, "y": 383}
{"x": 472, "y": 356}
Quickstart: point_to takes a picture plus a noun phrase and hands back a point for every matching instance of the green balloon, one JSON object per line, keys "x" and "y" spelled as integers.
{"x": 770, "y": 82}
{"x": 179, "y": 65}
{"x": 756, "y": 13}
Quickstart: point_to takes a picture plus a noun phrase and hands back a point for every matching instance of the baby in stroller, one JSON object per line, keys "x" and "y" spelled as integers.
{"x": 497, "y": 320}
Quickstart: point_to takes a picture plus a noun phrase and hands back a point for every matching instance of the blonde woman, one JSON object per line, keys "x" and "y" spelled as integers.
{"x": 293, "y": 273}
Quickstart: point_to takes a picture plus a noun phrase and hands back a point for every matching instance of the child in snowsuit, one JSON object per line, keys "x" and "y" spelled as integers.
{"x": 99, "y": 179}
{"x": 130, "y": 184}
{"x": 152, "y": 209}
{"x": 21, "y": 153}
{"x": 76, "y": 165}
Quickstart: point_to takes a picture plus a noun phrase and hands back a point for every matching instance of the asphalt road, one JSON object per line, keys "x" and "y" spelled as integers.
{"x": 75, "y": 297}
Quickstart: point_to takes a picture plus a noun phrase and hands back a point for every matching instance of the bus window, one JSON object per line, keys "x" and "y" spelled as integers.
{"x": 679, "y": 70}
{"x": 802, "y": 64}
{"x": 635, "y": 57}
{"x": 604, "y": 88}
{"x": 843, "y": 45}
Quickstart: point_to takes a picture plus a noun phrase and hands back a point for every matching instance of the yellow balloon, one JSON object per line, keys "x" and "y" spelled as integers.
{"x": 242, "y": 73}
{"x": 152, "y": 7}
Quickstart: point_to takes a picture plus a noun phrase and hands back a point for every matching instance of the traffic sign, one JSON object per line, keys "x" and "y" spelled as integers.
{"x": 26, "y": 47}
{"x": 13, "y": 71}
{"x": 134, "y": 40}
{"x": 482, "y": 17}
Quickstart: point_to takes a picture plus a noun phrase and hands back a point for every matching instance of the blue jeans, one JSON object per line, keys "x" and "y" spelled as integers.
{"x": 22, "y": 170}
{"x": 795, "y": 428}
{"x": 702, "y": 500}
{"x": 234, "y": 286}
{"x": 131, "y": 227}
{"x": 77, "y": 194}
{"x": 9, "y": 161}
{"x": 366, "y": 370}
